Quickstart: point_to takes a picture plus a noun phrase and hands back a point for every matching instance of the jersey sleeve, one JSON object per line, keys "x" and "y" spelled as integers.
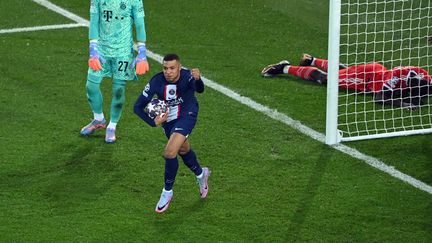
{"x": 422, "y": 73}
{"x": 196, "y": 85}
{"x": 142, "y": 101}
{"x": 94, "y": 7}
{"x": 137, "y": 9}
{"x": 94, "y": 20}
{"x": 404, "y": 72}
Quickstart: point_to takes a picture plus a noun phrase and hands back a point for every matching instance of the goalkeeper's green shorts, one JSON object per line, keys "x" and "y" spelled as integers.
{"x": 115, "y": 67}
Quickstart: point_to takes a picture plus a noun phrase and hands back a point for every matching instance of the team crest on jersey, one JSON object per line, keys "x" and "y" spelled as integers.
{"x": 123, "y": 5}
{"x": 171, "y": 92}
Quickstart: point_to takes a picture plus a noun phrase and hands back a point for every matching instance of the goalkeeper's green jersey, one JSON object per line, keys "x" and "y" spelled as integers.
{"x": 115, "y": 25}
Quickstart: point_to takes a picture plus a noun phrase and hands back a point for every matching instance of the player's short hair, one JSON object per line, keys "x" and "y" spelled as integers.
{"x": 171, "y": 57}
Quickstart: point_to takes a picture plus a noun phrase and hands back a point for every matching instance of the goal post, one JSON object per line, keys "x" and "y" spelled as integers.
{"x": 390, "y": 32}
{"x": 332, "y": 133}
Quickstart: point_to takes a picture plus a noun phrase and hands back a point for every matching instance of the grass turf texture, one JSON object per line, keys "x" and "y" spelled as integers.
{"x": 269, "y": 182}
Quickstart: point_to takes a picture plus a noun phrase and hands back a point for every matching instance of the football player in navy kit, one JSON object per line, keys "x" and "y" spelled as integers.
{"x": 176, "y": 86}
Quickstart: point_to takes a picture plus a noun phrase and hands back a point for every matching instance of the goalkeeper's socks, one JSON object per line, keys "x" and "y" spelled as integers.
{"x": 98, "y": 117}
{"x": 112, "y": 125}
{"x": 302, "y": 72}
{"x": 191, "y": 161}
{"x": 171, "y": 167}
{"x": 320, "y": 63}
{"x": 286, "y": 69}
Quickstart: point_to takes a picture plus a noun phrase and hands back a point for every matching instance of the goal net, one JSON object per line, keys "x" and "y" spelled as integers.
{"x": 390, "y": 32}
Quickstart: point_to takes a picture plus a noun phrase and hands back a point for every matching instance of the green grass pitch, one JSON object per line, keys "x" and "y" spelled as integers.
{"x": 270, "y": 183}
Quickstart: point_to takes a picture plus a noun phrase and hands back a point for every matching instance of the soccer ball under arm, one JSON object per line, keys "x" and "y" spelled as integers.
{"x": 156, "y": 107}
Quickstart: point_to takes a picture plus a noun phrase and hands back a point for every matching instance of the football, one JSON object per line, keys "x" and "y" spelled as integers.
{"x": 156, "y": 107}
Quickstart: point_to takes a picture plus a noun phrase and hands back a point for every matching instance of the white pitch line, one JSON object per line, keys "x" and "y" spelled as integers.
{"x": 62, "y": 11}
{"x": 45, "y": 27}
{"x": 292, "y": 123}
{"x": 309, "y": 131}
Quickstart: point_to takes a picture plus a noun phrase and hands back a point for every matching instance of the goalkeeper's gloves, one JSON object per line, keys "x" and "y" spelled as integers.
{"x": 140, "y": 61}
{"x": 95, "y": 60}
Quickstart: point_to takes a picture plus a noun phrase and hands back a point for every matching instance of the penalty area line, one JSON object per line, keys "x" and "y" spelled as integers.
{"x": 274, "y": 114}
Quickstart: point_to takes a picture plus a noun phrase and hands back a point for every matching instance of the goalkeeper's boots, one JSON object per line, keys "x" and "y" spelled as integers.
{"x": 306, "y": 60}
{"x": 274, "y": 69}
{"x": 203, "y": 182}
{"x": 93, "y": 126}
{"x": 110, "y": 136}
{"x": 318, "y": 76}
{"x": 164, "y": 201}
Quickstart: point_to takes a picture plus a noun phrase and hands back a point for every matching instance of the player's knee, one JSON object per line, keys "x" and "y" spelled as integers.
{"x": 94, "y": 79}
{"x": 184, "y": 150}
{"x": 92, "y": 87}
{"x": 170, "y": 153}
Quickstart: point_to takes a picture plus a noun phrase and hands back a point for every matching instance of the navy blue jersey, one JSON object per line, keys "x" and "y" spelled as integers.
{"x": 179, "y": 96}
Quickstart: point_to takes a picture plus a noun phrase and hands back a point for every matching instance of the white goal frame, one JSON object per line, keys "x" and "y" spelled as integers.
{"x": 333, "y": 134}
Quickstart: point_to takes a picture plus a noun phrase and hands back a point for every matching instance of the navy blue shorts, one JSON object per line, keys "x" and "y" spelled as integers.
{"x": 182, "y": 125}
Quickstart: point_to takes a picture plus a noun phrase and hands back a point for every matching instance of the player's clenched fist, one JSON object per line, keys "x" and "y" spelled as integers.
{"x": 196, "y": 74}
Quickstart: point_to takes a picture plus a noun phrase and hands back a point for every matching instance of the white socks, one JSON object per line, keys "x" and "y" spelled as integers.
{"x": 98, "y": 116}
{"x": 101, "y": 116}
{"x": 112, "y": 125}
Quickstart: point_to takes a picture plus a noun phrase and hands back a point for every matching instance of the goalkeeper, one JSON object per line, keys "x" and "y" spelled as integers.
{"x": 176, "y": 86}
{"x": 111, "y": 55}
{"x": 405, "y": 86}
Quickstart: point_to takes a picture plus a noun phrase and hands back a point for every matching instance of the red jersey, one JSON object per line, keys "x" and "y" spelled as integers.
{"x": 374, "y": 77}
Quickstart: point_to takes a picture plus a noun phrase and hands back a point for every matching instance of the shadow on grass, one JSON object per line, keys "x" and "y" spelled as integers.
{"x": 309, "y": 194}
{"x": 82, "y": 176}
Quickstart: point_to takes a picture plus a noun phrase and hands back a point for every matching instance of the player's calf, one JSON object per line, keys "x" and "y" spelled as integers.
{"x": 308, "y": 60}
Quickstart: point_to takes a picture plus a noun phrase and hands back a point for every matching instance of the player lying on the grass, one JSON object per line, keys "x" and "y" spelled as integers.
{"x": 111, "y": 55}
{"x": 176, "y": 86}
{"x": 405, "y": 86}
